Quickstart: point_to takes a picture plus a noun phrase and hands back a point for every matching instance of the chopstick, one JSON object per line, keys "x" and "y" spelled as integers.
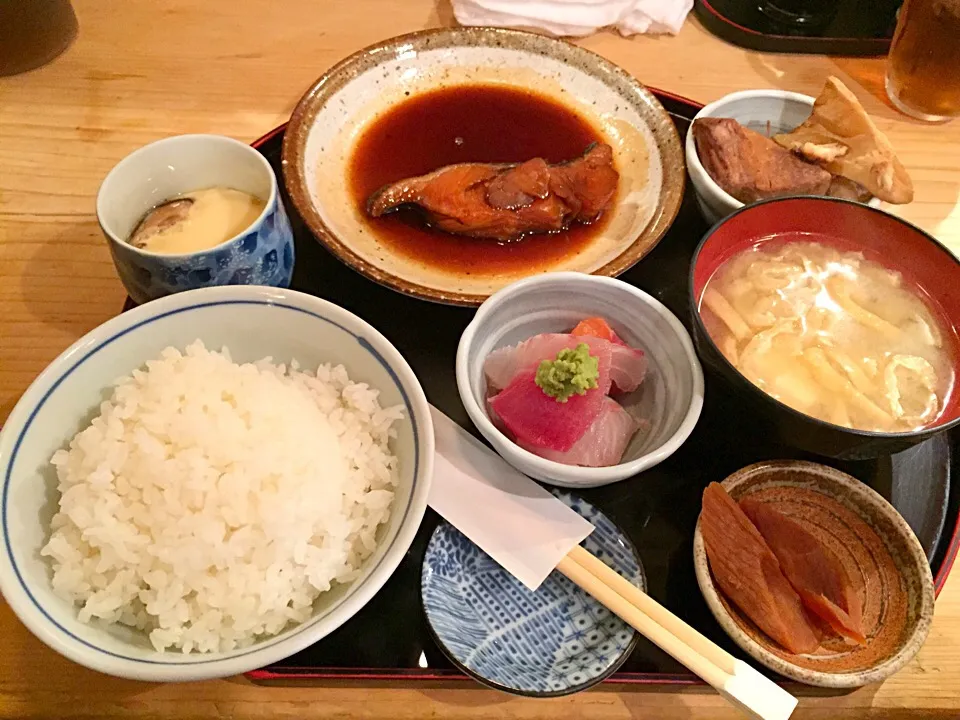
{"x": 654, "y": 610}
{"x": 753, "y": 693}
{"x": 632, "y": 615}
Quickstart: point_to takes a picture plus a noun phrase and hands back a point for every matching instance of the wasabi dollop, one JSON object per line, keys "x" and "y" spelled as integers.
{"x": 573, "y": 372}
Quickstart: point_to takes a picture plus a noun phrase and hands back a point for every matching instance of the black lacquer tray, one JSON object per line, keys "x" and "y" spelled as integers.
{"x": 658, "y": 509}
{"x": 848, "y": 27}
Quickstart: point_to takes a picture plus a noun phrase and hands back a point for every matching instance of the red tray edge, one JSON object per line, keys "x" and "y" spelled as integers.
{"x": 444, "y": 676}
{"x": 621, "y": 678}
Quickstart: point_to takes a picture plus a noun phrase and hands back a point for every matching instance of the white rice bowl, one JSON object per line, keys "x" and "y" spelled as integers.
{"x": 210, "y": 503}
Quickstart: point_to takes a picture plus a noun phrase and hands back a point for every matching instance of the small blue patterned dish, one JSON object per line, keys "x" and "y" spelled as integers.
{"x": 261, "y": 255}
{"x": 552, "y": 642}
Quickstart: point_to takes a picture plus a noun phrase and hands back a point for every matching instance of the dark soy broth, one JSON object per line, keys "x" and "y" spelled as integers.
{"x": 468, "y": 123}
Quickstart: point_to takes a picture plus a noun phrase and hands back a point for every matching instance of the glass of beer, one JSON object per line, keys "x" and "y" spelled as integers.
{"x": 923, "y": 69}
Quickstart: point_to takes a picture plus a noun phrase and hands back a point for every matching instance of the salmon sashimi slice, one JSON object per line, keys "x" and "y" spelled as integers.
{"x": 628, "y": 366}
{"x": 597, "y": 327}
{"x": 747, "y": 572}
{"x": 602, "y": 445}
{"x": 506, "y": 201}
{"x": 537, "y": 420}
{"x": 814, "y": 571}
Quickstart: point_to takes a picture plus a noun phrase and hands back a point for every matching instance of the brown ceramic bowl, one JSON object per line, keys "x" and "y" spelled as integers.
{"x": 351, "y": 96}
{"x": 877, "y": 548}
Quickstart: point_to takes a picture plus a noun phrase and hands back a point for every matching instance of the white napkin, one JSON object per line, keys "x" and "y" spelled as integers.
{"x": 506, "y": 514}
{"x": 576, "y": 17}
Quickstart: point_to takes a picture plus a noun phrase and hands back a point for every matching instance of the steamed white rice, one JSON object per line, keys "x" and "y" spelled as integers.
{"x": 210, "y": 503}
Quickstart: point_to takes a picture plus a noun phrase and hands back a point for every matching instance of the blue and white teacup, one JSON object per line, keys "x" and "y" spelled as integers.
{"x": 263, "y": 254}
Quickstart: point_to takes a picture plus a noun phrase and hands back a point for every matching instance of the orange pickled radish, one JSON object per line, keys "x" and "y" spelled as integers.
{"x": 749, "y": 575}
{"x": 841, "y": 622}
{"x": 812, "y": 569}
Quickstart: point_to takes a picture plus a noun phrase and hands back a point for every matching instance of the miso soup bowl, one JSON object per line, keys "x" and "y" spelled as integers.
{"x": 847, "y": 225}
{"x": 262, "y": 254}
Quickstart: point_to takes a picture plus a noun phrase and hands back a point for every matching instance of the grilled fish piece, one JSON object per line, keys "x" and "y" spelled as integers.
{"x": 506, "y": 201}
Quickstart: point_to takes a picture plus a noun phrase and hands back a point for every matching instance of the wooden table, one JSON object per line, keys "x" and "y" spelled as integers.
{"x": 140, "y": 71}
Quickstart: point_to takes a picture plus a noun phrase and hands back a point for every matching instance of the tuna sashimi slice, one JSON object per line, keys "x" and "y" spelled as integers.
{"x": 495, "y": 419}
{"x": 813, "y": 570}
{"x": 748, "y": 574}
{"x": 627, "y": 365}
{"x": 537, "y": 420}
{"x": 602, "y": 444}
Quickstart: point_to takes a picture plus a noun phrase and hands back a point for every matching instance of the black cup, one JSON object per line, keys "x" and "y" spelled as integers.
{"x": 802, "y": 13}
{"x": 34, "y": 32}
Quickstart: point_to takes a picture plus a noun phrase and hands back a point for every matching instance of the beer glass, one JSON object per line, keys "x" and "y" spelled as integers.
{"x": 923, "y": 69}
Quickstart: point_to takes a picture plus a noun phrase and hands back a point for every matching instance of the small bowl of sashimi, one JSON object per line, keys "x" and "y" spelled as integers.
{"x": 578, "y": 380}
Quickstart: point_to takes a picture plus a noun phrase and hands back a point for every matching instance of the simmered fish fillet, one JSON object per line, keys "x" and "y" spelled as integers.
{"x": 749, "y": 575}
{"x": 504, "y": 202}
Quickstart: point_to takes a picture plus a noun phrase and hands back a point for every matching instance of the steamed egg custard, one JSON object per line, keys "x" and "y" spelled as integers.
{"x": 833, "y": 335}
{"x": 196, "y": 221}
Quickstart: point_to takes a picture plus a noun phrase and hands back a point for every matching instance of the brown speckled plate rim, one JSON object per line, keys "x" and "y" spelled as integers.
{"x": 865, "y": 500}
{"x": 659, "y": 122}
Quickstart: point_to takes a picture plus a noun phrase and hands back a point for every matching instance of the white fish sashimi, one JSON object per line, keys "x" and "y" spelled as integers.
{"x": 628, "y": 366}
{"x": 504, "y": 364}
{"x": 602, "y": 445}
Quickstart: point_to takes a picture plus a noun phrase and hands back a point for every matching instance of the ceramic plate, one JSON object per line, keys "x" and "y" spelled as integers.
{"x": 876, "y": 547}
{"x": 342, "y": 104}
{"x": 555, "y": 641}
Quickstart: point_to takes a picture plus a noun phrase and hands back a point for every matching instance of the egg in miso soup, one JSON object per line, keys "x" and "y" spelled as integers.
{"x": 832, "y": 334}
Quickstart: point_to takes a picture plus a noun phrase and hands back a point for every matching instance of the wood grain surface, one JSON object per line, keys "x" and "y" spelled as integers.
{"x": 143, "y": 70}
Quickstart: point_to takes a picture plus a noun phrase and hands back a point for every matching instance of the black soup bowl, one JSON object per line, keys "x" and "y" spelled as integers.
{"x": 882, "y": 238}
